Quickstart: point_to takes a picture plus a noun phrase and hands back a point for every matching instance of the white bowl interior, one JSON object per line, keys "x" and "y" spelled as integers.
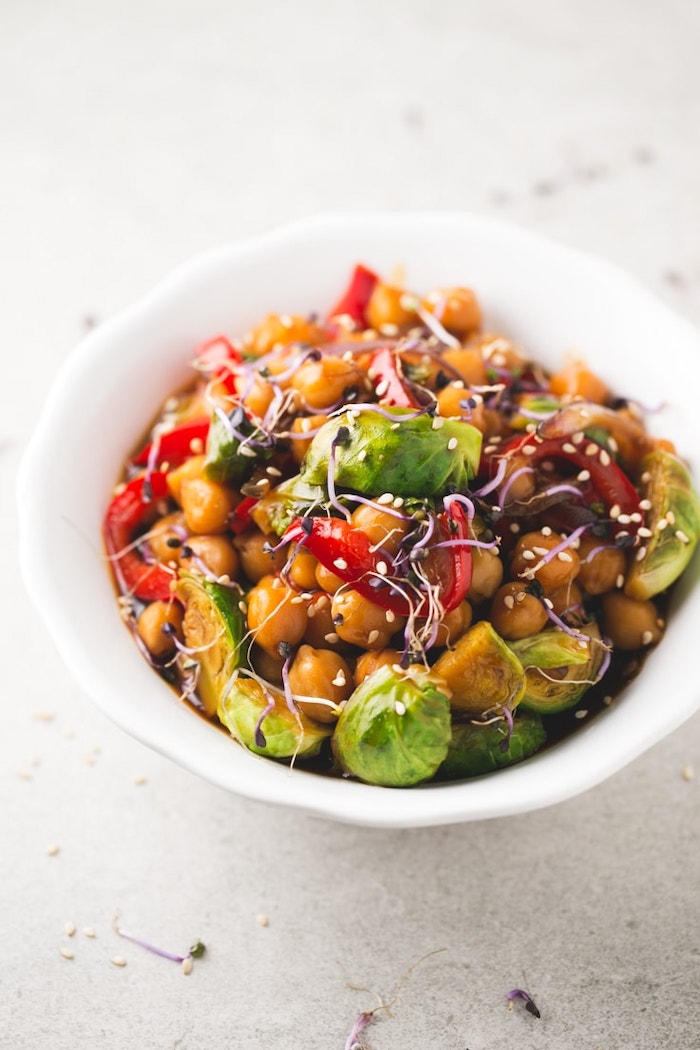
{"x": 552, "y": 300}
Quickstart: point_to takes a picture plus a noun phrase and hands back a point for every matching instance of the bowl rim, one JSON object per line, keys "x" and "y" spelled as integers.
{"x": 545, "y": 779}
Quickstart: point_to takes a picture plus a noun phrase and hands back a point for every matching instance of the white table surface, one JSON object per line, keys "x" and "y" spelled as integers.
{"x": 133, "y": 135}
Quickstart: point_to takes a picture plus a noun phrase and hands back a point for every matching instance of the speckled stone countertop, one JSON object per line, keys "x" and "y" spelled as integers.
{"x": 134, "y": 135}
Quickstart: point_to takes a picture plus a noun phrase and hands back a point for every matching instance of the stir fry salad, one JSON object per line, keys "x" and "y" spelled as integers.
{"x": 387, "y": 544}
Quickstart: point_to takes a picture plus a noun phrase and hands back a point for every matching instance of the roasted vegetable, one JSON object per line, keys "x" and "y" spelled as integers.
{"x": 559, "y": 667}
{"x": 481, "y": 672}
{"x": 214, "y": 627}
{"x": 476, "y": 748}
{"x": 394, "y": 729}
{"x": 260, "y": 718}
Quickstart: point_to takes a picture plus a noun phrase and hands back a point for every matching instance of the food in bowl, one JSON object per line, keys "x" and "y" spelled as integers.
{"x": 388, "y": 544}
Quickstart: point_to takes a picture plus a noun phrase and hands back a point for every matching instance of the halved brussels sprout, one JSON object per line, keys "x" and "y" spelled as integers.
{"x": 261, "y": 720}
{"x": 559, "y": 667}
{"x": 475, "y": 749}
{"x": 400, "y": 452}
{"x": 674, "y": 521}
{"x": 224, "y": 460}
{"x": 278, "y": 508}
{"x": 481, "y": 672}
{"x": 394, "y": 729}
{"x": 214, "y": 626}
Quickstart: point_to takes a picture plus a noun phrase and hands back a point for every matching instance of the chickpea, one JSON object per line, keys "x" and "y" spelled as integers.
{"x": 322, "y": 674}
{"x": 456, "y": 401}
{"x": 327, "y": 580}
{"x": 568, "y": 601}
{"x": 325, "y": 382}
{"x": 302, "y": 571}
{"x": 487, "y": 574}
{"x": 207, "y": 504}
{"x": 281, "y": 330}
{"x": 320, "y": 631}
{"x": 468, "y": 363}
{"x": 305, "y": 425}
{"x": 217, "y": 553}
{"x": 453, "y": 624}
{"x": 361, "y": 622}
{"x": 151, "y": 623}
{"x": 268, "y": 665}
{"x": 255, "y": 561}
{"x": 499, "y": 352}
{"x": 191, "y": 468}
{"x": 630, "y": 624}
{"x": 457, "y": 309}
{"x": 381, "y": 528}
{"x": 528, "y": 562}
{"x": 518, "y": 478}
{"x": 602, "y": 565}
{"x": 256, "y": 395}
{"x": 369, "y": 662}
{"x": 274, "y": 615}
{"x": 515, "y": 613}
{"x": 167, "y": 536}
{"x": 384, "y": 308}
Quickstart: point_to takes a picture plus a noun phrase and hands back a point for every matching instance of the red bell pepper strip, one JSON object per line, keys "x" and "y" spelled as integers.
{"x": 349, "y": 553}
{"x": 388, "y": 381}
{"x": 240, "y": 518}
{"x": 174, "y": 446}
{"x": 608, "y": 482}
{"x": 125, "y": 515}
{"x": 355, "y": 299}
{"x": 220, "y": 359}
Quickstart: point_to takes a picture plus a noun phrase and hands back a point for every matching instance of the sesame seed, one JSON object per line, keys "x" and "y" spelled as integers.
{"x": 263, "y": 920}
{"x": 680, "y": 535}
{"x": 644, "y": 532}
{"x": 385, "y": 499}
{"x": 382, "y": 568}
{"x": 382, "y": 388}
{"x": 646, "y": 477}
{"x": 641, "y": 553}
{"x": 389, "y": 329}
{"x": 548, "y": 602}
{"x": 398, "y": 502}
{"x": 52, "y": 850}
{"x": 615, "y": 511}
{"x": 390, "y": 616}
{"x": 88, "y": 931}
{"x": 243, "y": 607}
{"x": 508, "y": 601}
{"x": 529, "y": 555}
{"x": 332, "y": 638}
{"x": 583, "y": 475}
{"x": 196, "y": 446}
{"x": 592, "y": 449}
{"x": 645, "y": 504}
{"x": 528, "y": 449}
{"x": 670, "y": 517}
{"x": 514, "y": 527}
{"x": 604, "y": 458}
{"x": 340, "y": 678}
{"x": 438, "y": 422}
{"x": 69, "y": 929}
{"x": 661, "y": 524}
{"x": 564, "y": 556}
{"x": 624, "y": 519}
{"x": 541, "y": 551}
{"x": 635, "y": 516}
{"x": 452, "y": 444}
{"x": 620, "y": 581}
{"x": 546, "y": 530}
{"x": 118, "y": 960}
{"x": 296, "y": 600}
{"x": 578, "y": 437}
{"x": 67, "y": 953}
{"x": 340, "y": 563}
{"x": 273, "y": 472}
{"x": 246, "y": 450}
{"x": 647, "y": 638}
{"x": 581, "y": 713}
{"x": 687, "y": 772}
{"x": 395, "y": 426}
{"x": 568, "y": 447}
{"x": 187, "y": 964}
{"x": 400, "y": 707}
{"x": 372, "y": 637}
{"x": 44, "y": 716}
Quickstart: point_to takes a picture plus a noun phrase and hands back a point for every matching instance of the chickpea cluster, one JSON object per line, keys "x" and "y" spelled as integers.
{"x": 303, "y": 619}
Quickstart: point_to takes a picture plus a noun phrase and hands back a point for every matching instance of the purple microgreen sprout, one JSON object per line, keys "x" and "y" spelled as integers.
{"x": 530, "y": 1005}
{"x": 367, "y": 1016}
{"x": 196, "y": 951}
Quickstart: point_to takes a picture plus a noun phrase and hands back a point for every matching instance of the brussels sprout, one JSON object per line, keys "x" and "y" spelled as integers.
{"x": 278, "y": 508}
{"x": 214, "y": 627}
{"x": 481, "y": 672}
{"x": 261, "y": 720}
{"x": 394, "y": 729}
{"x": 224, "y": 461}
{"x": 559, "y": 667}
{"x": 475, "y": 749}
{"x": 532, "y": 407}
{"x": 674, "y": 521}
{"x": 372, "y": 454}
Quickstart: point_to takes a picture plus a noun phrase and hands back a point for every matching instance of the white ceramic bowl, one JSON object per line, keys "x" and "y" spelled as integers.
{"x": 550, "y": 299}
